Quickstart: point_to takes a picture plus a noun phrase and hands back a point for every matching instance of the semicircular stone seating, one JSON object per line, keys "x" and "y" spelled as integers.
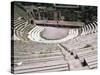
{"x": 89, "y": 28}
{"x": 21, "y": 28}
{"x": 25, "y": 32}
{"x": 18, "y": 26}
{"x": 35, "y": 35}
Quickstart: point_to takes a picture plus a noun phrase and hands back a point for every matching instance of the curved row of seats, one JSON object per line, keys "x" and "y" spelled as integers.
{"x": 35, "y": 35}
{"x": 89, "y": 28}
{"x": 21, "y": 28}
{"x": 18, "y": 25}
{"x": 25, "y": 32}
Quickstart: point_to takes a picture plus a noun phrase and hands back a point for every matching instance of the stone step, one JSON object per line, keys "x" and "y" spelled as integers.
{"x": 40, "y": 64}
{"x": 36, "y": 55}
{"x": 37, "y": 59}
{"x": 92, "y": 66}
{"x": 53, "y": 68}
